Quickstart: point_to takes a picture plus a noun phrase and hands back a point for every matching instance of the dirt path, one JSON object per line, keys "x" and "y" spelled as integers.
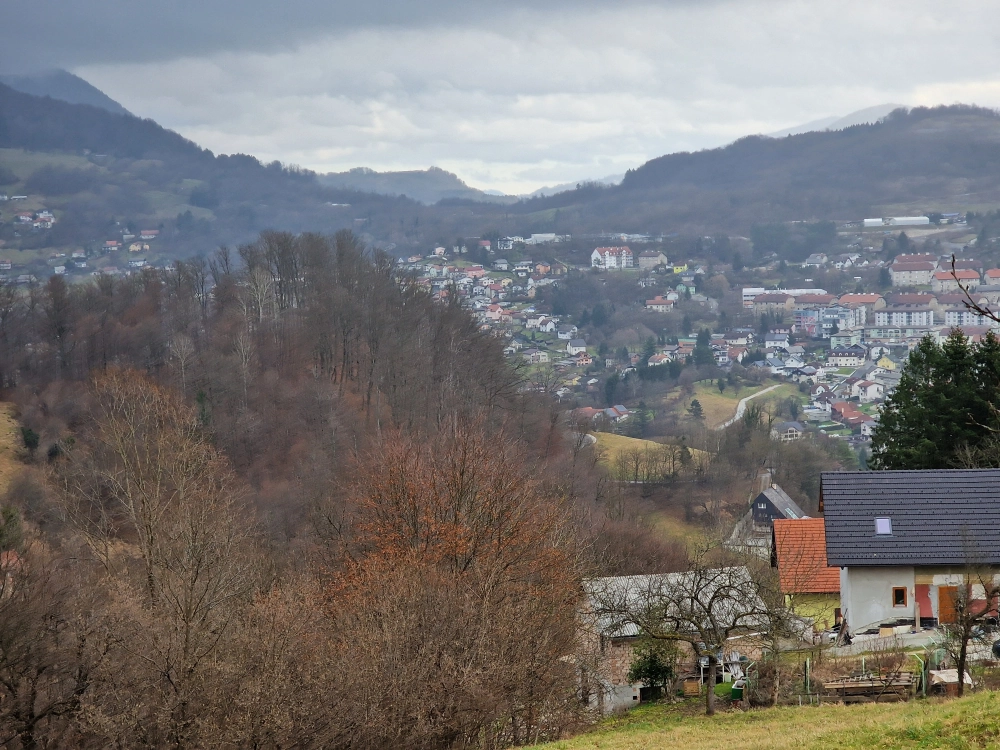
{"x": 742, "y": 406}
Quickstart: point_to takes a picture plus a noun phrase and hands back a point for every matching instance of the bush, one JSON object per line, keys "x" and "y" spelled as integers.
{"x": 30, "y": 439}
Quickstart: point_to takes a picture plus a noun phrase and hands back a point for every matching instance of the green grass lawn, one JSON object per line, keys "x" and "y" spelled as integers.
{"x": 718, "y": 407}
{"x": 24, "y": 163}
{"x": 166, "y": 205}
{"x": 972, "y": 722}
{"x": 614, "y": 444}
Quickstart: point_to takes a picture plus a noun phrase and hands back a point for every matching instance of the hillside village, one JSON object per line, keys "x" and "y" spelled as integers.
{"x": 843, "y": 350}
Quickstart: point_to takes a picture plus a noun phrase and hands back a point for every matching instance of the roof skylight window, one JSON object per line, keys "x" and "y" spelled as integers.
{"x": 883, "y": 526}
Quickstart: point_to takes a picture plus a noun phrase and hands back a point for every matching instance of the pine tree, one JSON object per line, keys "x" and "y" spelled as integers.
{"x": 945, "y": 402}
{"x": 696, "y": 411}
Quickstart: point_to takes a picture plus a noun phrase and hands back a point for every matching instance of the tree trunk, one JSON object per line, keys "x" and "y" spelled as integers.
{"x": 963, "y": 654}
{"x": 776, "y": 690}
{"x": 710, "y": 694}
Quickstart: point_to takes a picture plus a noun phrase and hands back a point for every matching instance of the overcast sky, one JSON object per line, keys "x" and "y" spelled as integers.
{"x": 509, "y": 95}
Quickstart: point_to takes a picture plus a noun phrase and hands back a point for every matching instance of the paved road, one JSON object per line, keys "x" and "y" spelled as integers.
{"x": 742, "y": 406}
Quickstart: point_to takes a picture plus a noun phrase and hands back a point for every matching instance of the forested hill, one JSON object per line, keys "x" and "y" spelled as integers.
{"x": 945, "y": 158}
{"x": 41, "y": 123}
{"x": 103, "y": 174}
{"x": 424, "y": 185}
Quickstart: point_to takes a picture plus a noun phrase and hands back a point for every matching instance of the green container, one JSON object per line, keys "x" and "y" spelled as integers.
{"x": 736, "y": 693}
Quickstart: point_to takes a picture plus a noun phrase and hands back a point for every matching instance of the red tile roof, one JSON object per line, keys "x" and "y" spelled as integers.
{"x": 957, "y": 273}
{"x": 913, "y": 265}
{"x": 915, "y": 298}
{"x": 859, "y": 299}
{"x": 800, "y": 549}
{"x": 814, "y": 299}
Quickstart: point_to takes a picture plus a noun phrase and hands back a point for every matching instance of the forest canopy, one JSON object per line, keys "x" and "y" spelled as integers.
{"x": 264, "y": 492}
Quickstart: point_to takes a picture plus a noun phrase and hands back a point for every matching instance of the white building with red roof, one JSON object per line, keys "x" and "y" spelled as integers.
{"x": 953, "y": 281}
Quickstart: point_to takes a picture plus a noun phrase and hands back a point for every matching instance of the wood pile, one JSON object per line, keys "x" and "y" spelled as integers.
{"x": 873, "y": 688}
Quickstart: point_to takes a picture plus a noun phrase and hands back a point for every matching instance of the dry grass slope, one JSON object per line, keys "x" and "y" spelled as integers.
{"x": 615, "y": 444}
{"x": 9, "y": 446}
{"x": 972, "y": 722}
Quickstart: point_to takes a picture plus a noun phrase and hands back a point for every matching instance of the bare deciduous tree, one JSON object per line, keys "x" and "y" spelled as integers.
{"x": 715, "y": 599}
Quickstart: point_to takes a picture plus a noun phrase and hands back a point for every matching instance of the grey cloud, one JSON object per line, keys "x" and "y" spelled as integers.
{"x": 70, "y": 33}
{"x": 517, "y": 96}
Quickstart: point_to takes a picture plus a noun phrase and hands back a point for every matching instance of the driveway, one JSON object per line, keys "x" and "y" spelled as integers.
{"x": 741, "y": 407}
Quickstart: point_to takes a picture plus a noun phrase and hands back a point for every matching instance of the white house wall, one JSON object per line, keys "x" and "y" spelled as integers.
{"x": 866, "y": 595}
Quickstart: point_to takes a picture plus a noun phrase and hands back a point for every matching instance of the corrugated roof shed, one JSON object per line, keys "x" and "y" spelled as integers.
{"x": 936, "y": 517}
{"x": 800, "y": 556}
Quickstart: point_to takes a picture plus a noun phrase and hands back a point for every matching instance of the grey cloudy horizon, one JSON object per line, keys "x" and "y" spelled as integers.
{"x": 510, "y": 97}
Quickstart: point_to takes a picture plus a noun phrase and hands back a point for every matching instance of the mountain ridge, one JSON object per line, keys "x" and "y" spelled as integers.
{"x": 921, "y": 159}
{"x": 864, "y": 116}
{"x": 428, "y": 186}
{"x": 64, "y": 86}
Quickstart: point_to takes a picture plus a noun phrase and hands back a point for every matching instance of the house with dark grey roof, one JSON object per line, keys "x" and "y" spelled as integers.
{"x": 774, "y": 503}
{"x": 787, "y": 431}
{"x": 905, "y": 541}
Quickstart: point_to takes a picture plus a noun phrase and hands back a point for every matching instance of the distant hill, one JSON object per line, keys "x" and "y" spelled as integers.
{"x": 860, "y": 117}
{"x": 924, "y": 159}
{"x": 100, "y": 172}
{"x": 542, "y": 192}
{"x": 105, "y": 174}
{"x": 428, "y": 186}
{"x": 64, "y": 86}
{"x": 41, "y": 123}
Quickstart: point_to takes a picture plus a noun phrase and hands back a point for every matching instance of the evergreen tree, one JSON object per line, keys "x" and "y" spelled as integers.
{"x": 654, "y": 663}
{"x": 648, "y": 350}
{"x": 611, "y": 388}
{"x": 696, "y": 411}
{"x": 599, "y": 315}
{"x": 945, "y": 402}
{"x": 903, "y": 243}
{"x": 30, "y": 439}
{"x": 685, "y": 453}
{"x": 703, "y": 352}
{"x": 11, "y": 531}
{"x": 639, "y": 422}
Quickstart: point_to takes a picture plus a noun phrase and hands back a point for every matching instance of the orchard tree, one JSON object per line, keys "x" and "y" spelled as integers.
{"x": 718, "y": 597}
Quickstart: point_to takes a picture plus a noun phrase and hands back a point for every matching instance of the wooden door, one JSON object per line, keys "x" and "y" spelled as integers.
{"x": 947, "y": 596}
